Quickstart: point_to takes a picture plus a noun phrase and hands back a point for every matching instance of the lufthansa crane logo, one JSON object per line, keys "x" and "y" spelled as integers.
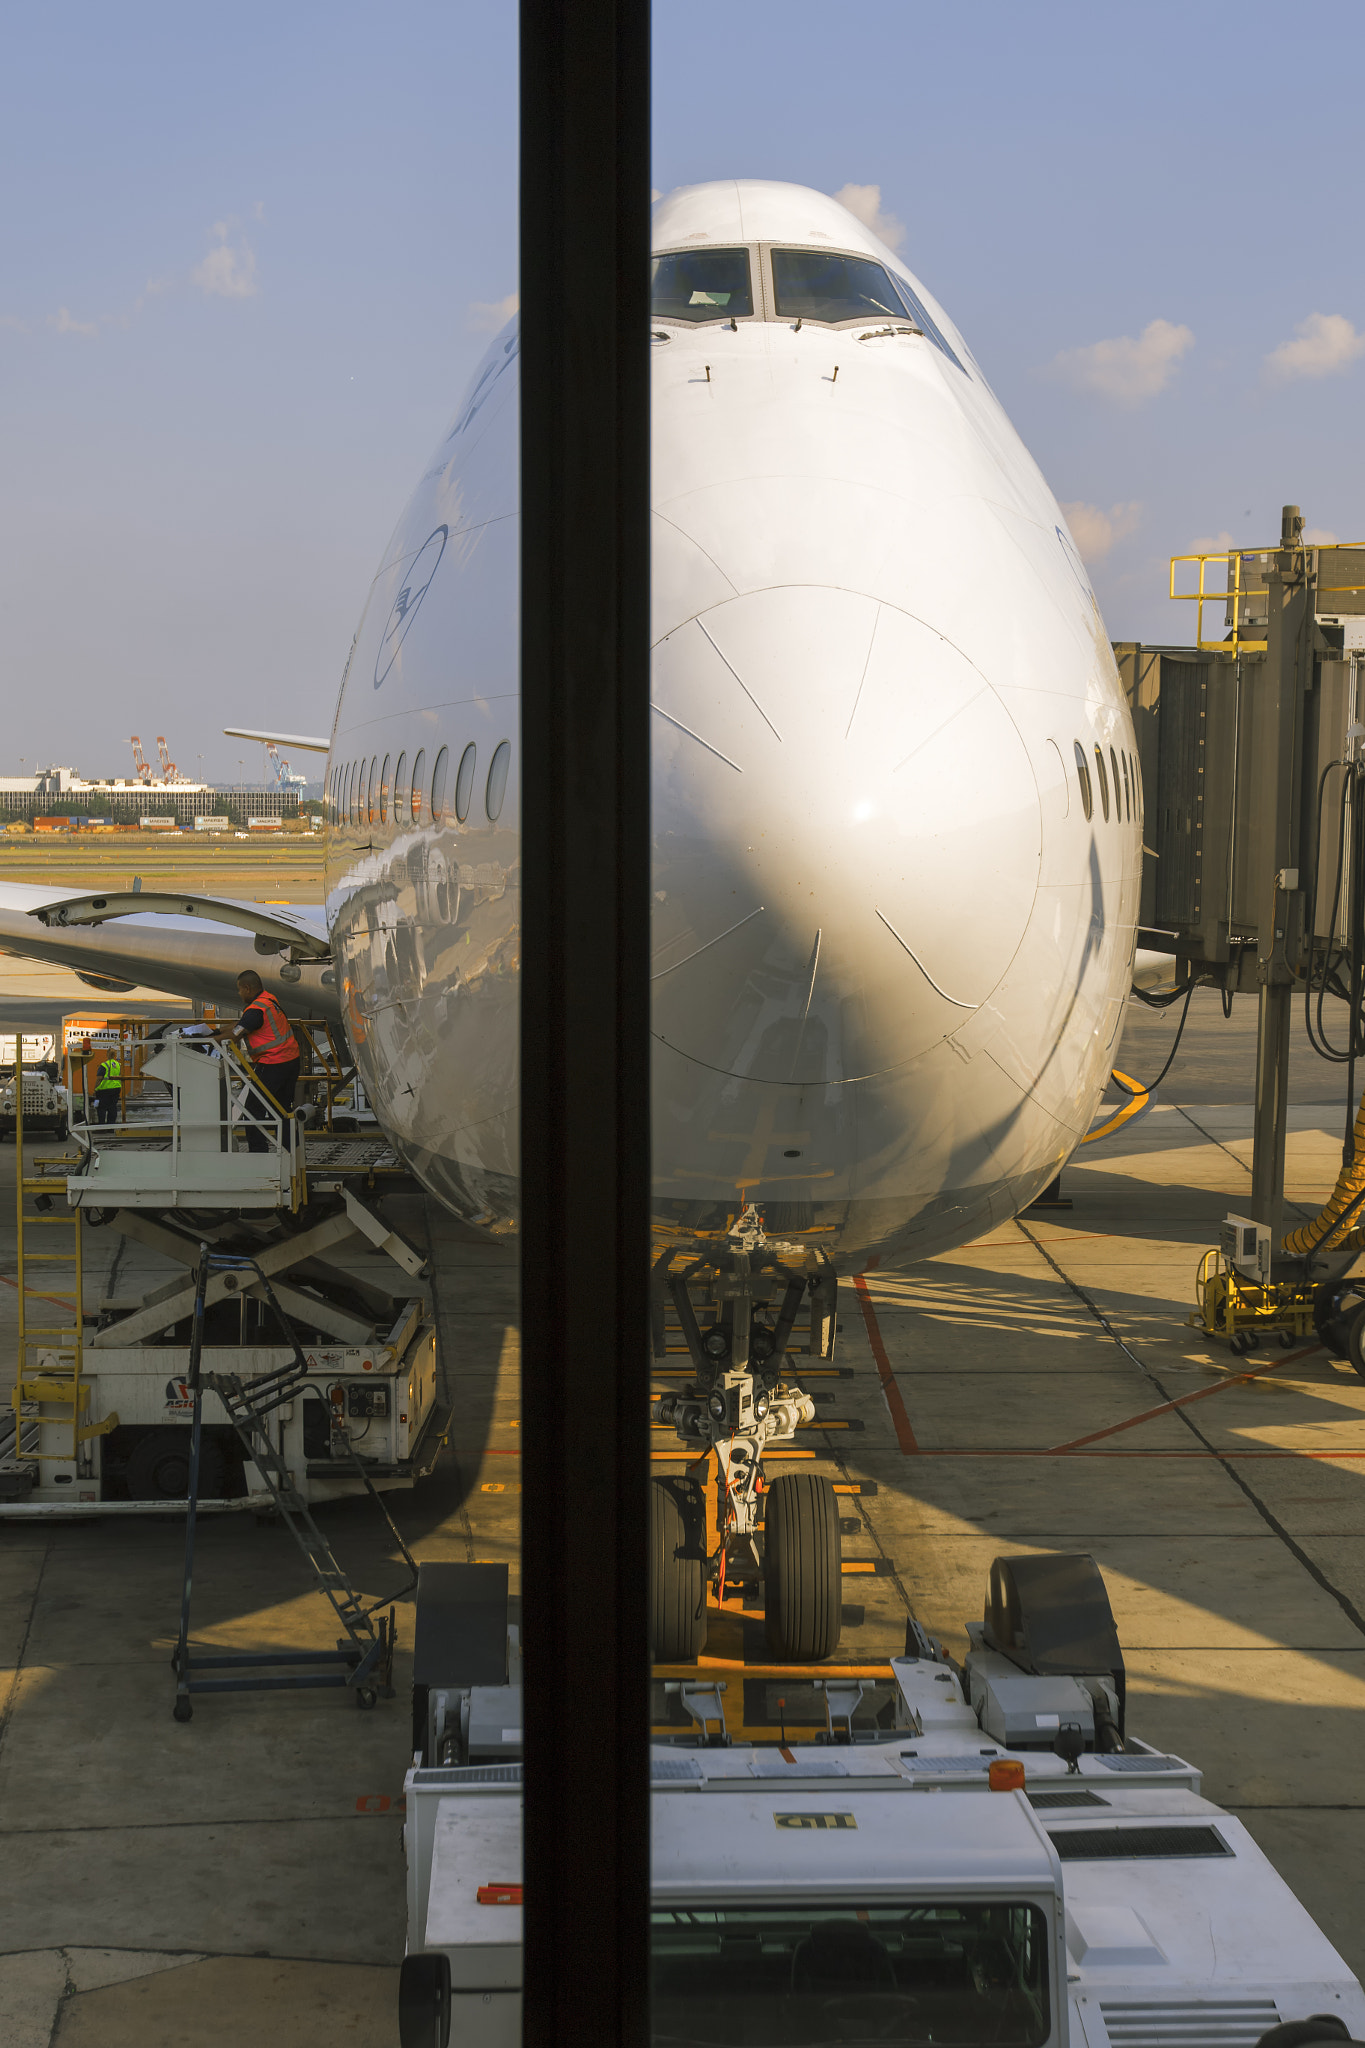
{"x": 415, "y": 585}
{"x": 815, "y": 1820}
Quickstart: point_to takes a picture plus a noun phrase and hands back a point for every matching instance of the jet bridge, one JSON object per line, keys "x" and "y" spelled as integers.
{"x": 1252, "y": 766}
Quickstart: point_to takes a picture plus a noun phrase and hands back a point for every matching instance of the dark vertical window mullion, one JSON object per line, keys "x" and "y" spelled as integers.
{"x": 585, "y": 1016}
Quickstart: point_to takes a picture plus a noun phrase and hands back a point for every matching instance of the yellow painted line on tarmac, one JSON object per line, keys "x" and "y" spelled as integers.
{"x": 1139, "y": 1097}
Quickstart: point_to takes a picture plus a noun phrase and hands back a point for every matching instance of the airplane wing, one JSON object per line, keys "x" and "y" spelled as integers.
{"x": 187, "y": 945}
{"x": 278, "y": 739}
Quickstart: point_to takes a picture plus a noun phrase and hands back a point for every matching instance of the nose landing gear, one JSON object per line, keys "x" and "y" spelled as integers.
{"x": 741, "y": 1402}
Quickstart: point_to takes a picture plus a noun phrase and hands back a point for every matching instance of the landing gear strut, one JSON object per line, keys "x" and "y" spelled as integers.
{"x": 751, "y": 1290}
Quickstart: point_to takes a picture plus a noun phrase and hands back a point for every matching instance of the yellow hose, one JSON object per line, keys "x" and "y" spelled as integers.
{"x": 1350, "y": 1183}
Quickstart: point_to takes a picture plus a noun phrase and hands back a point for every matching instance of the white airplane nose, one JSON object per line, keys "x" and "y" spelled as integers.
{"x": 846, "y": 833}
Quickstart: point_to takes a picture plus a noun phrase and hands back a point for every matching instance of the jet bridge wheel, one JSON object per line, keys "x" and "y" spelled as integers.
{"x": 677, "y": 1571}
{"x": 803, "y": 1585}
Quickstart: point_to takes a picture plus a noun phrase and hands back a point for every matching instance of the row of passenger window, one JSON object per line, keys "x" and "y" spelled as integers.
{"x": 365, "y": 793}
{"x": 1127, "y": 794}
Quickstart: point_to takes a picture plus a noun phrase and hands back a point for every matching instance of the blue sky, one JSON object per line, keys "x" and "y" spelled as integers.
{"x": 244, "y": 253}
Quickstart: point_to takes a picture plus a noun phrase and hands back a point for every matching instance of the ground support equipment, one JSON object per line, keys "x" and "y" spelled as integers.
{"x": 363, "y": 1659}
{"x": 781, "y": 1537}
{"x": 1067, "y": 1882}
{"x": 101, "y": 1416}
{"x": 1241, "y": 1312}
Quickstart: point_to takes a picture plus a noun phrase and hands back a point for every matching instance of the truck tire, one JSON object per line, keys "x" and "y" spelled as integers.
{"x": 677, "y": 1571}
{"x": 803, "y": 1588}
{"x": 424, "y": 2001}
{"x": 1355, "y": 1340}
{"x": 159, "y": 1466}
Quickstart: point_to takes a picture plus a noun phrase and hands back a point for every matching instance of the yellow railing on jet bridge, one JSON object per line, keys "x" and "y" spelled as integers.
{"x": 1232, "y": 594}
{"x": 1236, "y": 595}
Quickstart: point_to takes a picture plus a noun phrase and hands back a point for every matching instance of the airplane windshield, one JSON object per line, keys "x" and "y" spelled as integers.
{"x": 817, "y": 284}
{"x": 780, "y": 1976}
{"x": 701, "y": 284}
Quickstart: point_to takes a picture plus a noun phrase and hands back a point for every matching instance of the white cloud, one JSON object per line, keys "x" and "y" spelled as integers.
{"x": 1125, "y": 369}
{"x": 227, "y": 273}
{"x": 1319, "y": 537}
{"x": 1326, "y": 343}
{"x": 12, "y": 320}
{"x": 864, "y": 202}
{"x": 65, "y": 323}
{"x": 1212, "y": 544}
{"x": 1095, "y": 532}
{"x": 655, "y": 195}
{"x": 491, "y": 319}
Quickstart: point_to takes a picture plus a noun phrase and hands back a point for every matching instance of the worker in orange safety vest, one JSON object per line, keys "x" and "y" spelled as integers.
{"x": 266, "y": 1033}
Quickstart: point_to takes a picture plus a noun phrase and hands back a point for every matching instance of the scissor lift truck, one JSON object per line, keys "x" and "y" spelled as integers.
{"x": 99, "y": 1420}
{"x": 992, "y": 1858}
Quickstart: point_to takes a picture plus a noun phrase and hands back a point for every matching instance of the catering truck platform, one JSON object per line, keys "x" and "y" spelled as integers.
{"x": 99, "y": 1414}
{"x": 963, "y": 1853}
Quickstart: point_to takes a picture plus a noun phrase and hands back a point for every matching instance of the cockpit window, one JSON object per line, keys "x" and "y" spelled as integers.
{"x": 920, "y": 315}
{"x": 818, "y": 284}
{"x": 701, "y": 284}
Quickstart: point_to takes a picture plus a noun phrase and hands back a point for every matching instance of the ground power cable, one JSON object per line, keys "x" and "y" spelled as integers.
{"x": 1150, "y": 1087}
{"x": 1267, "y": 1514}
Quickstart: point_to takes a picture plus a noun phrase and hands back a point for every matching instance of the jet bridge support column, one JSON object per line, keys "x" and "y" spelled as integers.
{"x": 1272, "y": 1101}
{"x": 1277, "y": 767}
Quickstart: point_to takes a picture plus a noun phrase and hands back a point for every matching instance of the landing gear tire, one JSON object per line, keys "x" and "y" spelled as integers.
{"x": 677, "y": 1571}
{"x": 183, "y": 1711}
{"x": 804, "y": 1593}
{"x": 159, "y": 1467}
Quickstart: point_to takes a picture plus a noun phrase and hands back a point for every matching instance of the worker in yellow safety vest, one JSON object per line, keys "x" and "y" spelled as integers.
{"x": 265, "y": 1031}
{"x": 108, "y": 1089}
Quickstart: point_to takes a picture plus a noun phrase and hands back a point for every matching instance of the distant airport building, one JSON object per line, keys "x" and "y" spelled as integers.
{"x": 57, "y": 792}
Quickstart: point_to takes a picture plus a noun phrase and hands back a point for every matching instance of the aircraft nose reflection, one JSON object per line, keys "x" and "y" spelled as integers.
{"x": 847, "y": 837}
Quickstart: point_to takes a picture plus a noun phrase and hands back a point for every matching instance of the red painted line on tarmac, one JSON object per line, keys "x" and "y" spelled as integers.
{"x": 900, "y": 1421}
{"x": 1235, "y": 1379}
{"x": 1224, "y": 1457}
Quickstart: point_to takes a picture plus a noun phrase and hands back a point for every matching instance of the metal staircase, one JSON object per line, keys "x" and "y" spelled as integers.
{"x": 363, "y": 1658}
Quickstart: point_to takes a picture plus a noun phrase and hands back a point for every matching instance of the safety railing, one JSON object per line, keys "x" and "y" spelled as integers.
{"x": 1233, "y": 596}
{"x": 1237, "y": 595}
{"x": 200, "y": 1138}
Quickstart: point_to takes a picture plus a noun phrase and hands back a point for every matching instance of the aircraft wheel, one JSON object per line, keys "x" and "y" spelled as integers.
{"x": 804, "y": 1592}
{"x": 677, "y": 1571}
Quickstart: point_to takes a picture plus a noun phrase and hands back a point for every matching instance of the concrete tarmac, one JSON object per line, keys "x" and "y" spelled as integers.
{"x": 241, "y": 1876}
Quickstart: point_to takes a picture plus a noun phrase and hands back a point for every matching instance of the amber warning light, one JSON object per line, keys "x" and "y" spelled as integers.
{"x": 1007, "y": 1775}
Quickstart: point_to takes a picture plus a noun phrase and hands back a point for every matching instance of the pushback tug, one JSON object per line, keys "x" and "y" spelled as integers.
{"x": 935, "y": 1852}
